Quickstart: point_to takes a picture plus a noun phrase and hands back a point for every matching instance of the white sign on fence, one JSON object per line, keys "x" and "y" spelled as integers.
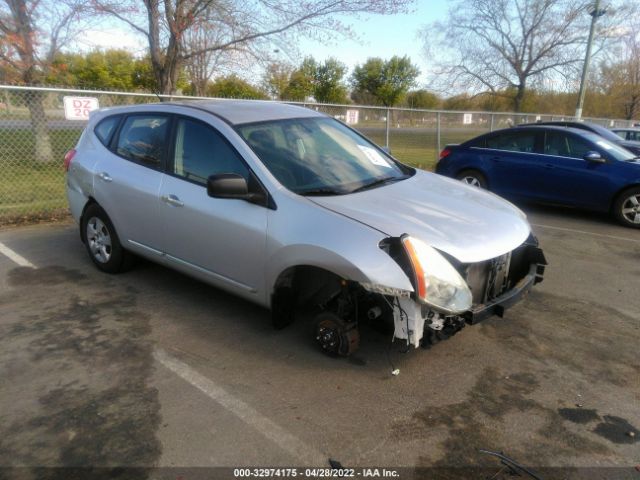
{"x": 467, "y": 118}
{"x": 352, "y": 116}
{"x": 78, "y": 108}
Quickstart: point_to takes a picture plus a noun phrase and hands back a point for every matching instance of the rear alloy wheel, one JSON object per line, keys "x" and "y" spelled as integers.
{"x": 473, "y": 178}
{"x": 334, "y": 336}
{"x": 101, "y": 240}
{"x": 627, "y": 208}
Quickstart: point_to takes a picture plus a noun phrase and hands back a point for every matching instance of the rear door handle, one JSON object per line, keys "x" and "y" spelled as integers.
{"x": 172, "y": 200}
{"x": 105, "y": 177}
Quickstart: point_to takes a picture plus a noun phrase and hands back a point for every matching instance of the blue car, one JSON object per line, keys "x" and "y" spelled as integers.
{"x": 555, "y": 165}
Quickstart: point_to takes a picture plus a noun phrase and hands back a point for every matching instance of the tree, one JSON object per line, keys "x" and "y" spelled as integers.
{"x": 329, "y": 85}
{"x": 387, "y": 81}
{"x": 620, "y": 79}
{"x": 112, "y": 69}
{"x": 166, "y": 24}
{"x": 302, "y": 81}
{"x": 502, "y": 44}
{"x": 276, "y": 79}
{"x": 422, "y": 99}
{"x": 33, "y": 32}
{"x": 233, "y": 86}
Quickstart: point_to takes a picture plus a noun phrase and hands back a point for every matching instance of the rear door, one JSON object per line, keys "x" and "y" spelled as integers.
{"x": 570, "y": 179}
{"x": 221, "y": 240}
{"x": 513, "y": 165}
{"x": 127, "y": 181}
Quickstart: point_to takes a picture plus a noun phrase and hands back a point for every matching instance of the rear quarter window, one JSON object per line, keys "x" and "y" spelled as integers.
{"x": 105, "y": 128}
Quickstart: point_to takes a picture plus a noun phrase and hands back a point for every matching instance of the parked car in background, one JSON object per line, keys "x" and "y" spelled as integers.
{"x": 631, "y": 145}
{"x": 550, "y": 164}
{"x": 289, "y": 208}
{"x": 631, "y": 134}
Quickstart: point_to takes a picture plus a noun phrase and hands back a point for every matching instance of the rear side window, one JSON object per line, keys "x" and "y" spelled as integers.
{"x": 200, "y": 152}
{"x": 105, "y": 128}
{"x": 622, "y": 134}
{"x": 142, "y": 139}
{"x": 513, "y": 142}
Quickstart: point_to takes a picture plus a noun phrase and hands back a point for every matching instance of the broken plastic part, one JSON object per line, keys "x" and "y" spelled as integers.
{"x": 408, "y": 321}
{"x": 390, "y": 291}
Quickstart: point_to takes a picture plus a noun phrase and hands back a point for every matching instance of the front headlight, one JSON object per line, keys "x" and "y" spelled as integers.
{"x": 437, "y": 283}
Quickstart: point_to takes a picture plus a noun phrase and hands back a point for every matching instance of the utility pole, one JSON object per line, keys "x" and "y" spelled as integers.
{"x": 595, "y": 13}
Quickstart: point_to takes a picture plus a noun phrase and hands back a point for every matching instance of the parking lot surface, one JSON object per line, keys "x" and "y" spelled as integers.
{"x": 153, "y": 369}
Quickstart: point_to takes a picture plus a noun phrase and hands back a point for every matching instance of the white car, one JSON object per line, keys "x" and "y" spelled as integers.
{"x": 287, "y": 207}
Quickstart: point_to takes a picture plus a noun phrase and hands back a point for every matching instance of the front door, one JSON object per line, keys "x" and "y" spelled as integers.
{"x": 223, "y": 240}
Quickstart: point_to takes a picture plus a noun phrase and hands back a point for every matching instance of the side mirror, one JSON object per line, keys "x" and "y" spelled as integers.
{"x": 228, "y": 185}
{"x": 233, "y": 186}
{"x": 594, "y": 157}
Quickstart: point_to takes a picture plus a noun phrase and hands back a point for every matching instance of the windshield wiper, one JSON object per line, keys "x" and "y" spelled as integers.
{"x": 320, "y": 191}
{"x": 376, "y": 183}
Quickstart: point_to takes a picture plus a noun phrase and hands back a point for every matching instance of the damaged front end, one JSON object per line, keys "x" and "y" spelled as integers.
{"x": 449, "y": 294}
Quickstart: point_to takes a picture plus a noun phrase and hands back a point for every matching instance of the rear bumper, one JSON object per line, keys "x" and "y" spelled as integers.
{"x": 499, "y": 304}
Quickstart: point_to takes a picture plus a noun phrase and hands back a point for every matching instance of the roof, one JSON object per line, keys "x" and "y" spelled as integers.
{"x": 248, "y": 111}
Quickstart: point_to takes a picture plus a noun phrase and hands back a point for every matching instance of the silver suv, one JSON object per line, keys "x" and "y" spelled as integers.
{"x": 289, "y": 208}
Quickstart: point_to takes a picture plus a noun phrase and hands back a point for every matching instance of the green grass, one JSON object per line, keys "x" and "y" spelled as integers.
{"x": 30, "y": 190}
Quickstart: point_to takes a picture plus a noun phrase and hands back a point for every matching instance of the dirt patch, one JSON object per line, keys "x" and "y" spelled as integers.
{"x": 81, "y": 349}
{"x": 579, "y": 415}
{"x": 484, "y": 420}
{"x": 561, "y": 332}
{"x": 617, "y": 430}
{"x": 24, "y": 276}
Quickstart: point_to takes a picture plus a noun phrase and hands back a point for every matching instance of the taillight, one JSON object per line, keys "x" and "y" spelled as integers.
{"x": 68, "y": 157}
{"x": 445, "y": 153}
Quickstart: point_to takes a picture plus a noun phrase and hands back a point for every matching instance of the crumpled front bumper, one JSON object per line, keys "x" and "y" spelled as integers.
{"x": 498, "y": 305}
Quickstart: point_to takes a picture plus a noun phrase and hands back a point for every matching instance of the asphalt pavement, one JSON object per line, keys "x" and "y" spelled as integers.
{"x": 154, "y": 369}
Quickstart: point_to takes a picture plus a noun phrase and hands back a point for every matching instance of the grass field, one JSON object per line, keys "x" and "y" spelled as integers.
{"x": 30, "y": 190}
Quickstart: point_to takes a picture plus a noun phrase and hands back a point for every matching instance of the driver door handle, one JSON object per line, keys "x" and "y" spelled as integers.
{"x": 105, "y": 177}
{"x": 172, "y": 200}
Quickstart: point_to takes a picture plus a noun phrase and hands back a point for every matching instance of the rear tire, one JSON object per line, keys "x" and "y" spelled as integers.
{"x": 626, "y": 208}
{"x": 473, "y": 178}
{"x": 102, "y": 242}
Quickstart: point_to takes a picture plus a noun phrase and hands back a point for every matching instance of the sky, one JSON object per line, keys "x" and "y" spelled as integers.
{"x": 377, "y": 36}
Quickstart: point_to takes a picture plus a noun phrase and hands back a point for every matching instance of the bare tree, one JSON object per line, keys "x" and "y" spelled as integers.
{"x": 167, "y": 23}
{"x": 620, "y": 76}
{"x": 33, "y": 32}
{"x": 502, "y": 46}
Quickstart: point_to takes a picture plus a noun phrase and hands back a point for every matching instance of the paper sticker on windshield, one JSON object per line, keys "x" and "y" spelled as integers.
{"x": 374, "y": 157}
{"x": 604, "y": 145}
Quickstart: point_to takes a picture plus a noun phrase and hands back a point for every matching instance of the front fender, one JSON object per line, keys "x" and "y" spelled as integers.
{"x": 302, "y": 233}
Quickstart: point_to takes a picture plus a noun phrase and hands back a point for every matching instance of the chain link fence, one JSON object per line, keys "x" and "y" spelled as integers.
{"x": 35, "y": 135}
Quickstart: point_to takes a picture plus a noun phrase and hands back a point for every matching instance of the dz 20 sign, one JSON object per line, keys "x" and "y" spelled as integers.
{"x": 78, "y": 108}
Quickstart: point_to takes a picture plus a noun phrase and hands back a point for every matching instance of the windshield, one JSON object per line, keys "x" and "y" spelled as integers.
{"x": 615, "y": 151}
{"x": 320, "y": 156}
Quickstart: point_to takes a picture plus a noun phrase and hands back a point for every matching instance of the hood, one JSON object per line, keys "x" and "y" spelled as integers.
{"x": 463, "y": 221}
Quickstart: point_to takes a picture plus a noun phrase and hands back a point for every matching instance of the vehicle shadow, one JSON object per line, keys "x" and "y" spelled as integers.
{"x": 231, "y": 324}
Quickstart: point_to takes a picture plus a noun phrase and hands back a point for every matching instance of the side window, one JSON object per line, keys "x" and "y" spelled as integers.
{"x": 478, "y": 143}
{"x": 634, "y": 135}
{"x": 513, "y": 142}
{"x": 142, "y": 139}
{"x": 105, "y": 128}
{"x": 622, "y": 134}
{"x": 200, "y": 152}
{"x": 565, "y": 145}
